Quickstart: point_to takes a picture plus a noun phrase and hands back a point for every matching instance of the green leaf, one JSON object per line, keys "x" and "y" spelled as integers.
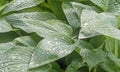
{"x": 93, "y": 57}
{"x": 7, "y": 36}
{"x": 114, "y": 59}
{"x": 44, "y": 68}
{"x": 78, "y": 7}
{"x": 74, "y": 66}
{"x": 2, "y": 2}
{"x": 80, "y": 44}
{"x": 55, "y": 6}
{"x": 112, "y": 6}
{"x": 87, "y": 33}
{"x": 4, "y": 47}
{"x": 4, "y": 26}
{"x": 42, "y": 16}
{"x": 55, "y": 67}
{"x": 109, "y": 66}
{"x": 17, "y": 5}
{"x": 42, "y": 28}
{"x": 27, "y": 41}
{"x": 71, "y": 57}
{"x": 97, "y": 41}
{"x": 104, "y": 4}
{"x": 51, "y": 49}
{"x": 23, "y": 58}
{"x": 96, "y": 24}
{"x": 71, "y": 15}
{"x": 110, "y": 44}
{"x": 15, "y": 59}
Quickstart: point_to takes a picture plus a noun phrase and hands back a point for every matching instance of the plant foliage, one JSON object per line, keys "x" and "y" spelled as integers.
{"x": 59, "y": 36}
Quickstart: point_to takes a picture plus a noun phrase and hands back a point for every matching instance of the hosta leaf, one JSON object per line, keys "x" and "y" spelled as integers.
{"x": 17, "y": 5}
{"x": 4, "y": 47}
{"x": 97, "y": 41}
{"x": 27, "y": 41}
{"x": 114, "y": 59}
{"x": 43, "y": 16}
{"x": 74, "y": 66}
{"x": 15, "y": 59}
{"x": 23, "y": 58}
{"x": 4, "y": 26}
{"x": 51, "y": 49}
{"x": 42, "y": 28}
{"x": 55, "y": 6}
{"x": 71, "y": 15}
{"x": 44, "y": 68}
{"x": 83, "y": 45}
{"x": 93, "y": 57}
{"x": 111, "y": 45}
{"x": 7, "y": 36}
{"x": 103, "y": 23}
{"x": 86, "y": 33}
{"x": 109, "y": 66}
{"x": 112, "y": 6}
{"x": 55, "y": 66}
{"x": 104, "y": 4}
{"x": 73, "y": 56}
{"x": 78, "y": 7}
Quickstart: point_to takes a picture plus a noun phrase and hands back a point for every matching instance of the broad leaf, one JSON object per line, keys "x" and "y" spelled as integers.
{"x": 74, "y": 66}
{"x": 114, "y": 59}
{"x": 27, "y": 41}
{"x": 103, "y": 23}
{"x": 83, "y": 45}
{"x": 8, "y": 36}
{"x": 42, "y": 28}
{"x": 78, "y": 7}
{"x": 104, "y": 4}
{"x": 45, "y": 68}
{"x": 112, "y": 6}
{"x": 71, "y": 15}
{"x": 4, "y": 47}
{"x": 23, "y": 58}
{"x": 73, "y": 56}
{"x": 93, "y": 57}
{"x": 17, "y": 5}
{"x": 51, "y": 49}
{"x": 97, "y": 41}
{"x": 55, "y": 6}
{"x": 109, "y": 66}
{"x": 43, "y": 16}
{"x": 15, "y": 59}
{"x": 4, "y": 26}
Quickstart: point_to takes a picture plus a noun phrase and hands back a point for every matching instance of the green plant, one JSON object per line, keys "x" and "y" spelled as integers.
{"x": 59, "y": 36}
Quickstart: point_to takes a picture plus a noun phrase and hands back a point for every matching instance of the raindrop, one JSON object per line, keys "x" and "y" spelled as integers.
{"x": 85, "y": 24}
{"x": 14, "y": 57}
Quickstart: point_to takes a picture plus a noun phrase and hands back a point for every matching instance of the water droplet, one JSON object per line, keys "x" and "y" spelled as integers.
{"x": 85, "y": 24}
{"x": 13, "y": 57}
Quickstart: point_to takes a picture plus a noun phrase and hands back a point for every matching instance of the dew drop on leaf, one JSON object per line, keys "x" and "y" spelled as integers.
{"x": 85, "y": 24}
